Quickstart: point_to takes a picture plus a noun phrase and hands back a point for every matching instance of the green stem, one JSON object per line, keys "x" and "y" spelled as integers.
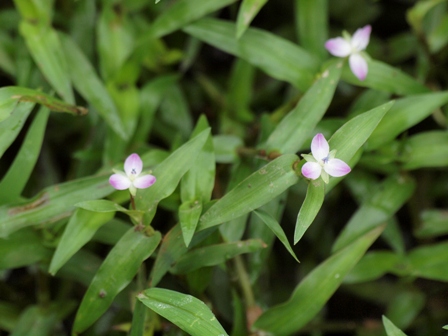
{"x": 244, "y": 281}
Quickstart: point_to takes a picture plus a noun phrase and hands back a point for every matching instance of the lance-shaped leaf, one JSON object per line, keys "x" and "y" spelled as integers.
{"x": 383, "y": 77}
{"x": 389, "y": 196}
{"x": 391, "y": 329}
{"x": 169, "y": 173}
{"x": 213, "y": 255}
{"x": 189, "y": 214}
{"x": 14, "y": 181}
{"x": 276, "y": 229}
{"x": 183, "y": 12}
{"x": 315, "y": 289}
{"x": 80, "y": 229}
{"x": 294, "y": 129}
{"x": 256, "y": 190}
{"x": 248, "y": 10}
{"x": 428, "y": 149}
{"x": 429, "y": 261}
{"x": 308, "y": 211}
{"x": 88, "y": 84}
{"x": 11, "y": 108}
{"x": 115, "y": 273}
{"x": 406, "y": 113}
{"x": 46, "y": 50}
{"x": 14, "y": 96}
{"x": 293, "y": 64}
{"x": 185, "y": 311}
{"x": 53, "y": 203}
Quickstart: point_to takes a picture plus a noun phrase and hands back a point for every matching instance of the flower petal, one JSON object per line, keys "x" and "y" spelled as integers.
{"x": 144, "y": 181}
{"x": 358, "y": 65}
{"x": 338, "y": 47}
{"x": 133, "y": 165}
{"x": 311, "y": 170}
{"x": 119, "y": 181}
{"x": 336, "y": 168}
{"x": 319, "y": 147}
{"x": 361, "y": 38}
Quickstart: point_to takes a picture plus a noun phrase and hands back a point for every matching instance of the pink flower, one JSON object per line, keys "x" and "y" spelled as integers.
{"x": 322, "y": 161}
{"x": 352, "y": 46}
{"x": 131, "y": 178}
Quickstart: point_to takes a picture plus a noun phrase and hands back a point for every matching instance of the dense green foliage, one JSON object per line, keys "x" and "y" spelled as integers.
{"x": 219, "y": 98}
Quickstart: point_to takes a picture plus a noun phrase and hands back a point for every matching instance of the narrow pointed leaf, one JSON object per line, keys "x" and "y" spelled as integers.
{"x": 428, "y": 149}
{"x": 80, "y": 229}
{"x": 213, "y": 255}
{"x": 88, "y": 84}
{"x": 391, "y": 329}
{"x": 14, "y": 181}
{"x": 293, "y": 64}
{"x": 169, "y": 173}
{"x": 388, "y": 197}
{"x": 188, "y": 313}
{"x": 189, "y": 213}
{"x": 105, "y": 206}
{"x": 383, "y": 77}
{"x": 183, "y": 12}
{"x": 295, "y": 128}
{"x": 315, "y": 289}
{"x": 11, "y": 107}
{"x": 46, "y": 50}
{"x": 115, "y": 273}
{"x": 406, "y": 113}
{"x": 277, "y": 229}
{"x": 313, "y": 201}
{"x": 53, "y": 203}
{"x": 256, "y": 190}
{"x": 248, "y": 10}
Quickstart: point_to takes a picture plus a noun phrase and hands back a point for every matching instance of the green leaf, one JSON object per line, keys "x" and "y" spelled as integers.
{"x": 248, "y": 10}
{"x": 46, "y": 50}
{"x": 293, "y": 64}
{"x": 53, "y": 203}
{"x": 14, "y": 181}
{"x": 226, "y": 147}
{"x": 183, "y": 12}
{"x": 405, "y": 306}
{"x": 428, "y": 149}
{"x": 391, "y": 329}
{"x": 15, "y": 117}
{"x": 213, "y": 255}
{"x": 169, "y": 173}
{"x": 434, "y": 223}
{"x": 78, "y": 232}
{"x": 189, "y": 213}
{"x": 384, "y": 201}
{"x": 188, "y": 313}
{"x": 276, "y": 229}
{"x": 315, "y": 289}
{"x": 88, "y": 84}
{"x": 293, "y": 130}
{"x": 138, "y": 319}
{"x": 256, "y": 190}
{"x": 22, "y": 248}
{"x": 12, "y": 98}
{"x": 105, "y": 206}
{"x": 312, "y": 25}
{"x": 115, "y": 273}
{"x": 429, "y": 261}
{"x": 313, "y": 201}
{"x": 372, "y": 266}
{"x": 383, "y": 77}
{"x": 198, "y": 182}
{"x": 406, "y": 113}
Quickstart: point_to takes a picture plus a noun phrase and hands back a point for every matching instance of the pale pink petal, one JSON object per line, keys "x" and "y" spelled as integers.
{"x": 144, "y": 181}
{"x": 338, "y": 47}
{"x": 119, "y": 182}
{"x": 361, "y": 38}
{"x": 358, "y": 65}
{"x": 133, "y": 165}
{"x": 311, "y": 170}
{"x": 319, "y": 147}
{"x": 336, "y": 168}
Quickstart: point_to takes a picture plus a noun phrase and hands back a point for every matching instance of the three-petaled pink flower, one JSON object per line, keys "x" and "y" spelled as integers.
{"x": 131, "y": 178}
{"x": 322, "y": 161}
{"x": 352, "y": 46}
